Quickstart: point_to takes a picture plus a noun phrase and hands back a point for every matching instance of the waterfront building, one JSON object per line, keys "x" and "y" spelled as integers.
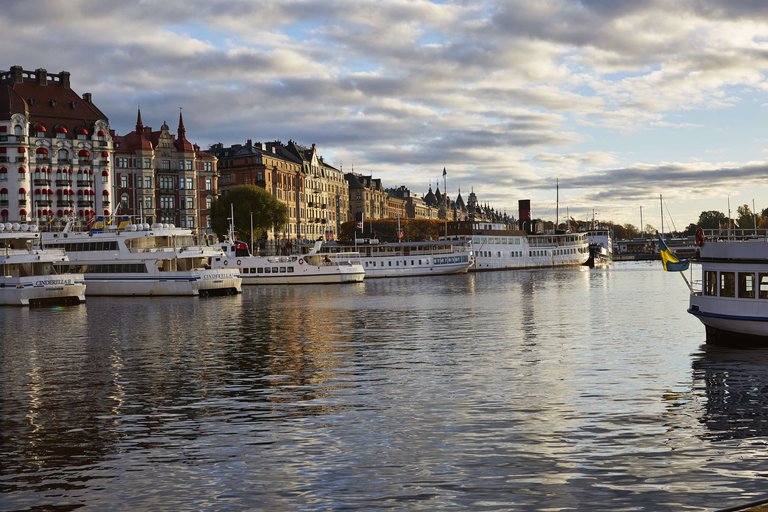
{"x": 164, "y": 178}
{"x": 55, "y": 150}
{"x": 367, "y": 197}
{"x": 315, "y": 192}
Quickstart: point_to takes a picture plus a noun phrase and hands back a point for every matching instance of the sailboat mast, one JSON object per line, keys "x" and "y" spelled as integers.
{"x": 557, "y": 204}
{"x": 661, "y": 206}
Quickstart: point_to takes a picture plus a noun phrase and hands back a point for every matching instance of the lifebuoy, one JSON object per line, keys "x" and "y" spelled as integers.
{"x": 301, "y": 261}
{"x": 699, "y": 237}
{"x": 226, "y": 262}
{"x": 238, "y": 263}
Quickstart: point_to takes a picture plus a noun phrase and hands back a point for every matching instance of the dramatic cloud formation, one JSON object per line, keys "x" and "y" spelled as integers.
{"x": 619, "y": 101}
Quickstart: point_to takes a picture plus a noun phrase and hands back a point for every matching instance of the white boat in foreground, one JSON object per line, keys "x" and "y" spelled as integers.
{"x": 315, "y": 267}
{"x": 143, "y": 260}
{"x": 403, "y": 259}
{"x": 29, "y": 276}
{"x": 496, "y": 246}
{"x": 731, "y": 299}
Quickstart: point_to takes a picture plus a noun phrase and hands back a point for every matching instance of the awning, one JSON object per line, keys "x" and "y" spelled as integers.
{"x": 3, "y": 170}
{"x": 61, "y": 129}
{"x": 105, "y": 173}
{"x": 22, "y": 212}
{"x": 101, "y": 133}
{"x": 83, "y": 152}
{"x": 106, "y": 212}
{"x": 82, "y": 131}
{"x": 105, "y": 193}
{"x": 4, "y": 213}
{"x": 3, "y": 190}
{"x": 40, "y": 128}
{"x": 2, "y": 150}
{"x": 22, "y": 150}
{"x": 41, "y": 151}
{"x": 22, "y": 170}
{"x": 105, "y": 154}
{"x": 3, "y": 128}
{"x": 22, "y": 191}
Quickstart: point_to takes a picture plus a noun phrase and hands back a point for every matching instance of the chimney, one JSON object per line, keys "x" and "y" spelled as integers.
{"x": 524, "y": 215}
{"x": 18, "y": 74}
{"x": 64, "y": 78}
{"x": 42, "y": 76}
{"x": 87, "y": 97}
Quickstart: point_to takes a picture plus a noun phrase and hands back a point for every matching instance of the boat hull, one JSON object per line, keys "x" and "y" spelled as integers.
{"x": 203, "y": 283}
{"x": 399, "y": 267}
{"x": 60, "y": 289}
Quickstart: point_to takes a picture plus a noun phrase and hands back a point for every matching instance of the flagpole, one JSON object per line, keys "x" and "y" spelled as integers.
{"x": 445, "y": 202}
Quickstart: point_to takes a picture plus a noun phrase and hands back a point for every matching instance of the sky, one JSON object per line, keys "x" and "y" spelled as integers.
{"x": 632, "y": 107}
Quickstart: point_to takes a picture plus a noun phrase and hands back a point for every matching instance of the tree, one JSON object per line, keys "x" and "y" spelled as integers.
{"x": 711, "y": 219}
{"x": 746, "y": 218}
{"x": 246, "y": 200}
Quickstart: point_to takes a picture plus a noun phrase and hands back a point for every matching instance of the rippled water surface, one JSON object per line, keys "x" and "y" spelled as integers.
{"x": 571, "y": 389}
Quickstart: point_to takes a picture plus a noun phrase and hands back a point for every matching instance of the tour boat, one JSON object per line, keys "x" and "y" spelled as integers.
{"x": 29, "y": 277}
{"x": 312, "y": 268}
{"x": 403, "y": 259}
{"x": 731, "y": 300}
{"x": 143, "y": 260}
{"x": 600, "y": 248}
{"x": 496, "y": 246}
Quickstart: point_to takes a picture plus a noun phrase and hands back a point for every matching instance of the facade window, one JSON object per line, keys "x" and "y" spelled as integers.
{"x": 124, "y": 201}
{"x": 190, "y": 222}
{"x": 148, "y": 182}
{"x": 181, "y": 165}
{"x": 138, "y": 181}
{"x": 763, "y": 280}
{"x": 148, "y": 202}
{"x": 208, "y": 166}
{"x": 147, "y": 163}
{"x": 166, "y": 202}
{"x": 165, "y": 165}
{"x": 123, "y": 162}
{"x": 188, "y": 165}
{"x": 208, "y": 183}
{"x": 189, "y": 203}
{"x": 123, "y": 181}
{"x": 208, "y": 202}
{"x": 166, "y": 182}
{"x": 190, "y": 183}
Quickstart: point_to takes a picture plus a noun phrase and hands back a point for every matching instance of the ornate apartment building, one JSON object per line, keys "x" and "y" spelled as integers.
{"x": 315, "y": 193}
{"x": 55, "y": 150}
{"x": 163, "y": 178}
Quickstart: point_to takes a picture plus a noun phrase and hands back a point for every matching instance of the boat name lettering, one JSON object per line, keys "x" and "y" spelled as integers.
{"x": 217, "y": 276}
{"x": 49, "y": 282}
{"x": 444, "y": 260}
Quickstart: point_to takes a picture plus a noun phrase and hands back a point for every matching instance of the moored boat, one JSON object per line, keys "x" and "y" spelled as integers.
{"x": 29, "y": 276}
{"x": 404, "y": 259}
{"x": 143, "y": 260}
{"x": 731, "y": 299}
{"x": 496, "y": 246}
{"x": 315, "y": 267}
{"x": 600, "y": 248}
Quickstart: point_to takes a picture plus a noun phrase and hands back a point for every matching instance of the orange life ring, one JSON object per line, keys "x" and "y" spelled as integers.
{"x": 699, "y": 237}
{"x": 301, "y": 261}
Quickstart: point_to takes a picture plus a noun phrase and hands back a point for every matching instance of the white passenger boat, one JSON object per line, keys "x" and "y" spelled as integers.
{"x": 403, "y": 259}
{"x": 600, "y": 248}
{"x": 496, "y": 246}
{"x": 139, "y": 259}
{"x": 29, "y": 277}
{"x": 312, "y": 268}
{"x": 731, "y": 299}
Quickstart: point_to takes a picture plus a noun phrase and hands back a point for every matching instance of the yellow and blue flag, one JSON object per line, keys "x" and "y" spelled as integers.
{"x": 670, "y": 262}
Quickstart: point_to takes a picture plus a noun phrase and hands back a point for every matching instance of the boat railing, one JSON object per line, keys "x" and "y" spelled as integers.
{"x": 734, "y": 235}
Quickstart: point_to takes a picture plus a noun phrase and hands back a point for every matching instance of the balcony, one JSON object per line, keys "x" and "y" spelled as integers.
{"x": 84, "y": 183}
{"x": 63, "y": 183}
{"x": 22, "y": 201}
{"x": 105, "y": 203}
{"x": 42, "y": 181}
{"x": 43, "y": 202}
{"x": 3, "y": 202}
{"x": 84, "y": 202}
{"x": 21, "y": 159}
{"x": 64, "y": 202}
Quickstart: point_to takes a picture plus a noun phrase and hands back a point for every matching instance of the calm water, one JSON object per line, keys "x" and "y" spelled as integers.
{"x": 572, "y": 389}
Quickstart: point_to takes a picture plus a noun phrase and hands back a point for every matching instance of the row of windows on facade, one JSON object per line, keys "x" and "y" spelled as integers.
{"x": 165, "y": 182}
{"x": 166, "y": 202}
{"x": 123, "y": 162}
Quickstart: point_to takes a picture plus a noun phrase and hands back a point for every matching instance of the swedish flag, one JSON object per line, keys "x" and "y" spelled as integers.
{"x": 670, "y": 262}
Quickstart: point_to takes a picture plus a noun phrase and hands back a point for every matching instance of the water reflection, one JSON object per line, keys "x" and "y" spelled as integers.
{"x": 734, "y": 387}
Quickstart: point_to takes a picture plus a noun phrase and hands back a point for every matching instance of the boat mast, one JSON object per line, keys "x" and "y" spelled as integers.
{"x": 557, "y": 204}
{"x": 661, "y": 206}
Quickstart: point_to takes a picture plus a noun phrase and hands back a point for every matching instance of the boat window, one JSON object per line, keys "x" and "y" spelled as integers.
{"x": 275, "y": 270}
{"x": 746, "y": 285}
{"x": 727, "y": 282}
{"x": 763, "y": 285}
{"x": 290, "y": 269}
{"x": 710, "y": 283}
{"x": 267, "y": 270}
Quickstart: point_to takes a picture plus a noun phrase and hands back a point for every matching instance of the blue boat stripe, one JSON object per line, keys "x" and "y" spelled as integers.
{"x": 729, "y": 317}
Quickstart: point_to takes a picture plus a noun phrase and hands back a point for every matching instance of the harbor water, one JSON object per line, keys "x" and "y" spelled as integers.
{"x": 569, "y": 389}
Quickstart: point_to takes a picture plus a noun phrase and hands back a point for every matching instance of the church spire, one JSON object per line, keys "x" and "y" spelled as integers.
{"x": 139, "y": 124}
{"x": 182, "y": 132}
